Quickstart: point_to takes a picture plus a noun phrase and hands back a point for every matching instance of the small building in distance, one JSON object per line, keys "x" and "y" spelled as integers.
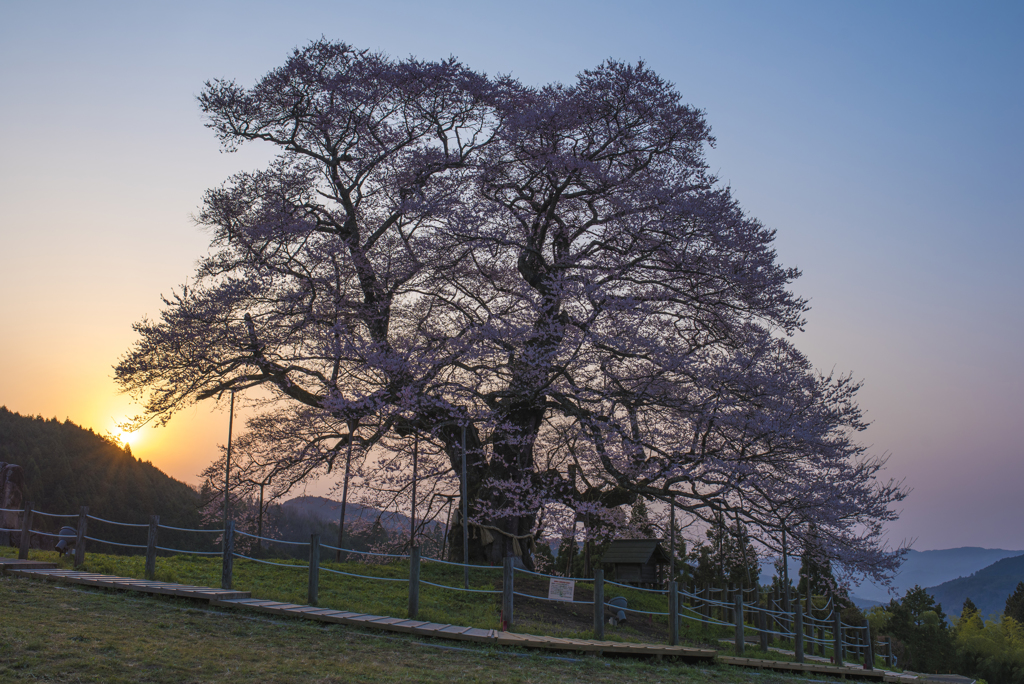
{"x": 636, "y": 561}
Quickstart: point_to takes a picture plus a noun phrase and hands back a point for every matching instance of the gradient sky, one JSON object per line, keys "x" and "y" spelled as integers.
{"x": 882, "y": 140}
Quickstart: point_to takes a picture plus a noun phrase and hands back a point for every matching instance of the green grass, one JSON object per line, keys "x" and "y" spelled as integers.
{"x": 63, "y": 633}
{"x": 390, "y": 598}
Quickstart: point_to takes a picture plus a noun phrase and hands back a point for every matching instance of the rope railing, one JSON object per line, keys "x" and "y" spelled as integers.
{"x": 352, "y": 574}
{"x": 187, "y": 529}
{"x": 704, "y": 603}
{"x": 474, "y": 591}
{"x": 635, "y": 610}
{"x": 272, "y": 540}
{"x": 364, "y": 553}
{"x": 111, "y": 522}
{"x": 104, "y": 541}
{"x": 628, "y": 586}
{"x": 197, "y": 553}
{"x": 266, "y": 562}
{"x": 43, "y": 534}
{"x": 541, "y": 574}
{"x": 472, "y": 567}
{"x": 546, "y": 598}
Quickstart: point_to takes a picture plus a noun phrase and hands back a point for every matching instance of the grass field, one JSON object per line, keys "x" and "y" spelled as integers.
{"x": 61, "y": 633}
{"x": 391, "y": 598}
{"x": 382, "y": 597}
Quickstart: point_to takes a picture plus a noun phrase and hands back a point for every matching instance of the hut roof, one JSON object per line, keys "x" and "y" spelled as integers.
{"x": 640, "y": 551}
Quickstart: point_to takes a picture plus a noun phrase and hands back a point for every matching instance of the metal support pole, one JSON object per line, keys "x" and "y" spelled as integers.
{"x": 673, "y": 612}
{"x": 465, "y": 515}
{"x": 869, "y": 654}
{"x": 414, "y": 582}
{"x": 26, "y": 531}
{"x": 507, "y": 589}
{"x": 599, "y": 604}
{"x": 837, "y": 637}
{"x": 798, "y": 632}
{"x": 227, "y": 560}
{"x": 313, "y": 590}
{"x": 344, "y": 497}
{"x": 154, "y": 525}
{"x": 809, "y": 623}
{"x": 762, "y": 624}
{"x": 737, "y": 616}
{"x": 83, "y": 523}
{"x": 412, "y": 508}
{"x": 227, "y": 459}
{"x": 672, "y": 543}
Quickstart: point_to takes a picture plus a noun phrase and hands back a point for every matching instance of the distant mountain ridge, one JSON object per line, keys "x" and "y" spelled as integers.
{"x": 932, "y": 568}
{"x": 987, "y": 588}
{"x": 921, "y": 568}
{"x": 328, "y": 510}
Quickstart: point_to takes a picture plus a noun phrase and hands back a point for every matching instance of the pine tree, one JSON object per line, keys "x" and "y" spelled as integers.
{"x": 729, "y": 557}
{"x": 1015, "y": 604}
{"x": 968, "y": 609}
{"x": 639, "y": 519}
{"x": 815, "y": 567}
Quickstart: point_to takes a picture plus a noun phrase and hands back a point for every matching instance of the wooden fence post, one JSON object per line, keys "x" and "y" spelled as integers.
{"x": 26, "y": 531}
{"x": 737, "y": 615}
{"x": 837, "y": 637}
{"x": 414, "y": 582}
{"x": 599, "y": 604}
{"x": 507, "y": 589}
{"x": 798, "y": 631}
{"x": 83, "y": 523}
{"x": 869, "y": 654}
{"x": 313, "y": 591}
{"x": 673, "y": 613}
{"x": 154, "y": 524}
{"x": 762, "y": 625}
{"x": 227, "y": 555}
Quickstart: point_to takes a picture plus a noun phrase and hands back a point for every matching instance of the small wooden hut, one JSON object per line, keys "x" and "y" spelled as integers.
{"x": 636, "y": 561}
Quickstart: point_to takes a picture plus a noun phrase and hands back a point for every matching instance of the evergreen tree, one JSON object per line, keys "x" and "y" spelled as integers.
{"x": 728, "y": 557}
{"x": 968, "y": 609}
{"x": 1015, "y": 604}
{"x": 641, "y": 520}
{"x": 920, "y": 624}
{"x": 815, "y": 567}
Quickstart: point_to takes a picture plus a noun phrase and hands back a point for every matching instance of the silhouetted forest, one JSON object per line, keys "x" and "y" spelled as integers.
{"x": 67, "y": 466}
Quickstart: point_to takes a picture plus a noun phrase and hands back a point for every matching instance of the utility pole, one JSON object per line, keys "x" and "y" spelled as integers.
{"x": 344, "y": 495}
{"x": 227, "y": 461}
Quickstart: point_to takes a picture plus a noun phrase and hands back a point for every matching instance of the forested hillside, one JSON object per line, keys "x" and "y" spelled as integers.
{"x": 67, "y": 466}
{"x": 987, "y": 588}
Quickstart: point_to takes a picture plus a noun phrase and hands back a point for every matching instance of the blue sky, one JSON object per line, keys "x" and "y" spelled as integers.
{"x": 882, "y": 141}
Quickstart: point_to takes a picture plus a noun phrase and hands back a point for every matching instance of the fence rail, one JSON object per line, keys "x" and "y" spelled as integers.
{"x": 768, "y": 615}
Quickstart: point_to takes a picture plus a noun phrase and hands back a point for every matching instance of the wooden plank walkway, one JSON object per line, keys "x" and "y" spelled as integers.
{"x": 845, "y": 671}
{"x": 243, "y": 600}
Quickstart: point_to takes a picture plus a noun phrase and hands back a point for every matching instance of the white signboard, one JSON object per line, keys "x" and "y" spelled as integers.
{"x": 561, "y": 589}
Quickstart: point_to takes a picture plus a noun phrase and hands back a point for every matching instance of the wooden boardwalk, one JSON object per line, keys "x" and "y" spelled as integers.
{"x": 242, "y": 600}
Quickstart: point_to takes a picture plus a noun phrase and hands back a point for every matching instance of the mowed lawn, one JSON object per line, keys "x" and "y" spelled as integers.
{"x": 64, "y": 633}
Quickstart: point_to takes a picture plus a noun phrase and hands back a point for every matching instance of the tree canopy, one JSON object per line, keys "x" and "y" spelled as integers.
{"x": 550, "y": 275}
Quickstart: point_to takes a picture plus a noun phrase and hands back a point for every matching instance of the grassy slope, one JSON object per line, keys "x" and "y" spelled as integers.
{"x": 377, "y": 597}
{"x": 391, "y": 598}
{"x": 61, "y": 633}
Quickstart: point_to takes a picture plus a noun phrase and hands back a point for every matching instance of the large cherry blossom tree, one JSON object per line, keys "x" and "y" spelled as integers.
{"x": 551, "y": 274}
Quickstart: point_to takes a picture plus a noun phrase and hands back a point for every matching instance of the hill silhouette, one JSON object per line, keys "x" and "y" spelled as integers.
{"x": 67, "y": 466}
{"x": 987, "y": 588}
